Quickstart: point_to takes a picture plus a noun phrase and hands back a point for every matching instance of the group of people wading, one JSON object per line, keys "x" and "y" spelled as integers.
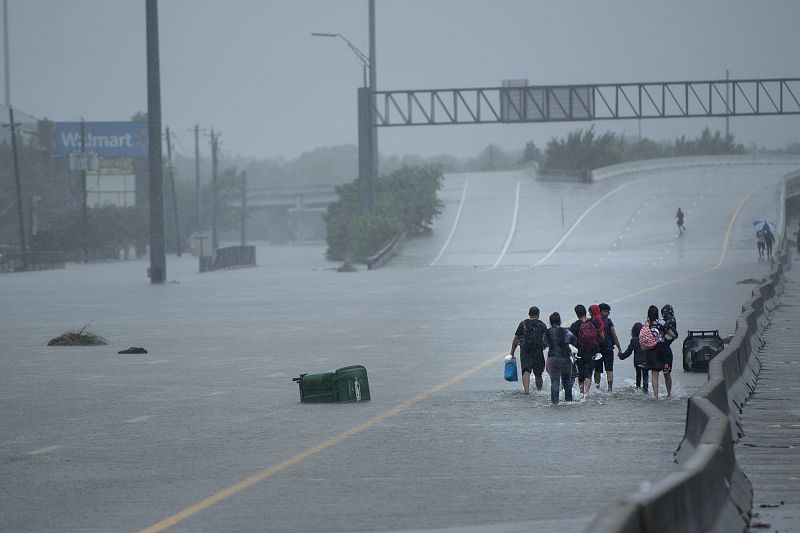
{"x": 583, "y": 351}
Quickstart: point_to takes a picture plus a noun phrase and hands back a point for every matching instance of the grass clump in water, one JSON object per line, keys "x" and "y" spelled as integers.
{"x": 81, "y": 337}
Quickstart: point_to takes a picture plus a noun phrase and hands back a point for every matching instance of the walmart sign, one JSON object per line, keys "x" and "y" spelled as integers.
{"x": 106, "y": 139}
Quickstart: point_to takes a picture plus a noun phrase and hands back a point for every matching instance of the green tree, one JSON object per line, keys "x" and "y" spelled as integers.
{"x": 707, "y": 144}
{"x": 531, "y": 154}
{"x": 404, "y": 200}
{"x": 582, "y": 150}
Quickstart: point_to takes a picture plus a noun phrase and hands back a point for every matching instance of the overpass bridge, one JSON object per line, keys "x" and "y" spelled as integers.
{"x": 281, "y": 214}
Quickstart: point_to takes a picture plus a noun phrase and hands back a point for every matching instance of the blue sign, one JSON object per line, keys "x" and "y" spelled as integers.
{"x": 106, "y": 139}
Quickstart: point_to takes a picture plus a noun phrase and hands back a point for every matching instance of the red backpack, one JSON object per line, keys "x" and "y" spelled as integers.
{"x": 588, "y": 338}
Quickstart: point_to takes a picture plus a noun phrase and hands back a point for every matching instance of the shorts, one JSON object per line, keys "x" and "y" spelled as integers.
{"x": 532, "y": 362}
{"x": 585, "y": 367}
{"x": 607, "y": 361}
{"x": 658, "y": 357}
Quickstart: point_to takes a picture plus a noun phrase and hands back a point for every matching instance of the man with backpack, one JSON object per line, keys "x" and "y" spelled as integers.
{"x": 528, "y": 337}
{"x": 588, "y": 337}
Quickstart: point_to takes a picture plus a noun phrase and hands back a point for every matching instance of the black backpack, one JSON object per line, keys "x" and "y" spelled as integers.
{"x": 531, "y": 339}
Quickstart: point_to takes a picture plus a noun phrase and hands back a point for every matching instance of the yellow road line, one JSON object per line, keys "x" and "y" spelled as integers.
{"x": 399, "y": 408}
{"x": 309, "y": 452}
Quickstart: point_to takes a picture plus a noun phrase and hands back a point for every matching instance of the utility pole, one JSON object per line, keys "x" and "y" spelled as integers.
{"x": 174, "y": 195}
{"x": 373, "y": 128}
{"x": 214, "y": 163}
{"x": 23, "y": 244}
{"x": 5, "y": 52}
{"x": 158, "y": 260}
{"x": 84, "y": 197}
{"x": 197, "y": 201}
{"x": 243, "y": 224}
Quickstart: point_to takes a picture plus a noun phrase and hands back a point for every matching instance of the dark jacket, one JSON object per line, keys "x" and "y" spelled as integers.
{"x": 639, "y": 357}
{"x": 557, "y": 339}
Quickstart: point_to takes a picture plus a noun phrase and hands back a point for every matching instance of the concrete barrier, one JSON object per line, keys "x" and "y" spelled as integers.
{"x": 667, "y": 163}
{"x": 709, "y": 492}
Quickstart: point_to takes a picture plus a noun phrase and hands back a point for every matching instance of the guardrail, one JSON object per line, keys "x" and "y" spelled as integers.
{"x": 387, "y": 252}
{"x": 578, "y": 176}
{"x": 229, "y": 257}
{"x": 666, "y": 163}
{"x": 709, "y": 492}
{"x": 16, "y": 262}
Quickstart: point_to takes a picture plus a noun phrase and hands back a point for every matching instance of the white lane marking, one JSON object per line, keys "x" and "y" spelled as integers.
{"x": 44, "y": 450}
{"x": 218, "y": 393}
{"x": 511, "y": 231}
{"x": 455, "y": 224}
{"x": 580, "y": 219}
{"x": 138, "y": 419}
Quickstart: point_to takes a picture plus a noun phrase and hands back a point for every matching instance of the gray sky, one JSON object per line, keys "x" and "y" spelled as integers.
{"x": 250, "y": 68}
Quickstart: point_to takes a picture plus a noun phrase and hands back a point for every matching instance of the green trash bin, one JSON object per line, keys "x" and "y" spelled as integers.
{"x": 352, "y": 384}
{"x": 347, "y": 384}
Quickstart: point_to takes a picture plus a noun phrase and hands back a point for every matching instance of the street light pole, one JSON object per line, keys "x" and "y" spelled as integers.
{"x": 359, "y": 54}
{"x": 367, "y": 128}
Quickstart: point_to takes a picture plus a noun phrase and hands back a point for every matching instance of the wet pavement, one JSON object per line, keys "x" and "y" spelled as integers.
{"x": 206, "y": 431}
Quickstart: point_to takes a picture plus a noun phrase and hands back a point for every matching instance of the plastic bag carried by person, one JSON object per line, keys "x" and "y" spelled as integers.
{"x": 510, "y": 370}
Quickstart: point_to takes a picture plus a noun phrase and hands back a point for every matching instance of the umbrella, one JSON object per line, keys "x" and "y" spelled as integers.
{"x": 764, "y": 224}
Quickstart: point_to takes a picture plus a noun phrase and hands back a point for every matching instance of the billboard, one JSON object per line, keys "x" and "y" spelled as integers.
{"x": 106, "y": 139}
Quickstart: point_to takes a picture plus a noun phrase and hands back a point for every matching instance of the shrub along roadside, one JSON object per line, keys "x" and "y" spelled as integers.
{"x": 404, "y": 200}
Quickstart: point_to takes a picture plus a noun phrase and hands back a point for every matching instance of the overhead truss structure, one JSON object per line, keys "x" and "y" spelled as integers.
{"x": 564, "y": 103}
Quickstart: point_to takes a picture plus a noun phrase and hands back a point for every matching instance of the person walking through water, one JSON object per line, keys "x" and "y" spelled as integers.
{"x": 639, "y": 361}
{"x": 679, "y": 221}
{"x": 559, "y": 360}
{"x": 528, "y": 337}
{"x": 656, "y": 356}
{"x": 597, "y": 319}
{"x": 586, "y": 331}
{"x": 670, "y": 334}
{"x": 607, "y": 345}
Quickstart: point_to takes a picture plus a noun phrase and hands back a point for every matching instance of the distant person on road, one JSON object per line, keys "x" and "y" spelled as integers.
{"x": 588, "y": 335}
{"x": 769, "y": 240}
{"x": 607, "y": 346}
{"x": 528, "y": 337}
{"x": 639, "y": 360}
{"x": 559, "y": 358}
{"x": 761, "y": 243}
{"x": 679, "y": 221}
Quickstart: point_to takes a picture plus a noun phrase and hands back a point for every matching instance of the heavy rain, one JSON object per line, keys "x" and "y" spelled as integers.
{"x": 306, "y": 219}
